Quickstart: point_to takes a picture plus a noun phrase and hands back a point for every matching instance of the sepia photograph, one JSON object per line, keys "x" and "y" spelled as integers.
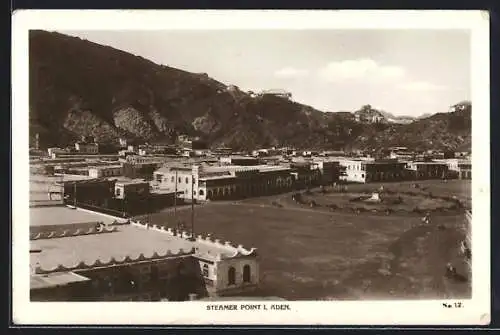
{"x": 279, "y": 171}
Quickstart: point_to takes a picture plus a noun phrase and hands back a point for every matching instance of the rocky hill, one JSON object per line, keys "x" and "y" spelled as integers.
{"x": 81, "y": 88}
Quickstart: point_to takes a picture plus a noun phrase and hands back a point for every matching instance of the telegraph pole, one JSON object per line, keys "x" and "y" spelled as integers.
{"x": 175, "y": 201}
{"x": 148, "y": 202}
{"x": 74, "y": 193}
{"x": 192, "y": 207}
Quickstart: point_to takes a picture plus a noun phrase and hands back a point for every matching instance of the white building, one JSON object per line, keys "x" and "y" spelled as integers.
{"x": 54, "y": 151}
{"x": 123, "y": 142}
{"x": 227, "y": 270}
{"x": 105, "y": 171}
{"x": 459, "y": 168}
{"x": 223, "y": 182}
{"x": 87, "y": 148}
{"x": 371, "y": 170}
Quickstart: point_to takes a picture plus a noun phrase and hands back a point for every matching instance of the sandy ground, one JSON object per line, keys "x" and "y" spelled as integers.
{"x": 311, "y": 254}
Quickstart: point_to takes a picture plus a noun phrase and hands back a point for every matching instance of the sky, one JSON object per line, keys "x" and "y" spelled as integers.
{"x": 404, "y": 72}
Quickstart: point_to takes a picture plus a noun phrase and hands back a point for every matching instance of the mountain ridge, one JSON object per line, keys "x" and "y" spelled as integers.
{"x": 79, "y": 88}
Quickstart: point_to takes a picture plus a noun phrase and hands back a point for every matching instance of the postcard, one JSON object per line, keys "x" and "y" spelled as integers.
{"x": 250, "y": 167}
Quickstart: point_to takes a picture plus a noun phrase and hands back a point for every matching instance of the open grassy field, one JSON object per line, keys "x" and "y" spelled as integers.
{"x": 312, "y": 254}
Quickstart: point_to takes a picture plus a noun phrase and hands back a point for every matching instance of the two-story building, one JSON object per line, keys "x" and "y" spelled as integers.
{"x": 459, "y": 168}
{"x": 143, "y": 170}
{"x": 105, "y": 171}
{"x": 131, "y": 189}
{"x": 371, "y": 170}
{"x": 224, "y": 182}
{"x": 87, "y": 148}
{"x": 329, "y": 169}
{"x": 419, "y": 170}
{"x": 305, "y": 174}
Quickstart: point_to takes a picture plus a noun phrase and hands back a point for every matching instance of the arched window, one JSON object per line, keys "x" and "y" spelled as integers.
{"x": 172, "y": 179}
{"x": 246, "y": 274}
{"x": 231, "y": 276}
{"x": 201, "y": 192}
{"x": 187, "y": 180}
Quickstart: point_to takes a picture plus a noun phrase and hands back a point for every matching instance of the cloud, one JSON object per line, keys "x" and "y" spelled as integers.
{"x": 290, "y": 72}
{"x": 421, "y": 86}
{"x": 363, "y": 68}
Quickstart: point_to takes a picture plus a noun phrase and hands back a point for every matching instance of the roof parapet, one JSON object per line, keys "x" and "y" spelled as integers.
{"x": 238, "y": 251}
{"x": 72, "y": 233}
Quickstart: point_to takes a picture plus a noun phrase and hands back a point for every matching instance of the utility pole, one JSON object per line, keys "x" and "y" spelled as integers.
{"x": 148, "y": 202}
{"x": 192, "y": 208}
{"x": 175, "y": 198}
{"x": 74, "y": 193}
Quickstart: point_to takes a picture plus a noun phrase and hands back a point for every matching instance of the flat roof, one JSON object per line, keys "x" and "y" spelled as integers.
{"x": 131, "y": 182}
{"x": 62, "y": 215}
{"x": 86, "y": 180}
{"x": 127, "y": 240}
{"x": 215, "y": 177}
{"x": 105, "y": 167}
{"x": 239, "y": 157}
{"x": 428, "y": 163}
{"x": 55, "y": 279}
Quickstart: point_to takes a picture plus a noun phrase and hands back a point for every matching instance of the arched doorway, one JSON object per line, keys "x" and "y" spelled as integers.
{"x": 246, "y": 274}
{"x": 231, "y": 276}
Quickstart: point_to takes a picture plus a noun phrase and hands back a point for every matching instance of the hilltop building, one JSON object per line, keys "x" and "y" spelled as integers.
{"x": 460, "y": 106}
{"x": 87, "y": 145}
{"x": 280, "y": 93}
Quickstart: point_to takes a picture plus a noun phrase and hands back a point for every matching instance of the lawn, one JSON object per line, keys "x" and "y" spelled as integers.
{"x": 310, "y": 254}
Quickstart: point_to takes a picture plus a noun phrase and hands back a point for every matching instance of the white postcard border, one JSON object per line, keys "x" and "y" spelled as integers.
{"x": 399, "y": 312}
